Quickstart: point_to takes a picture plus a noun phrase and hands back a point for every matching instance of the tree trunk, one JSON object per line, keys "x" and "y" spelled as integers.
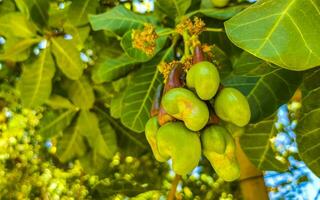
{"x": 251, "y": 179}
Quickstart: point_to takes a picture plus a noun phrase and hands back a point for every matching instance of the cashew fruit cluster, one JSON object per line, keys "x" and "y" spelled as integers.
{"x": 195, "y": 114}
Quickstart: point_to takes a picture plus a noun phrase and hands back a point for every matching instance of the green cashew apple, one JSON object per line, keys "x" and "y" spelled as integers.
{"x": 204, "y": 77}
{"x": 232, "y": 106}
{"x": 225, "y": 164}
{"x": 220, "y": 3}
{"x": 151, "y": 130}
{"x": 180, "y": 144}
{"x": 183, "y": 104}
{"x": 215, "y": 138}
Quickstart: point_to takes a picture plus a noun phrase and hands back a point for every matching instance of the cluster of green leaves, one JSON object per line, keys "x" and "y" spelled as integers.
{"x": 99, "y": 105}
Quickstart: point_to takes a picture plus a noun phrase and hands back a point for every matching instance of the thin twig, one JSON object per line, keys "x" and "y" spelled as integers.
{"x": 175, "y": 182}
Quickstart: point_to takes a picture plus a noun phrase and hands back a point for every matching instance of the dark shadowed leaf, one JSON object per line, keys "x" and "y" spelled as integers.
{"x": 79, "y": 10}
{"x": 285, "y": 33}
{"x": 219, "y": 13}
{"x": 308, "y": 131}
{"x": 257, "y": 145}
{"x": 265, "y": 85}
{"x": 173, "y": 8}
{"x": 38, "y": 10}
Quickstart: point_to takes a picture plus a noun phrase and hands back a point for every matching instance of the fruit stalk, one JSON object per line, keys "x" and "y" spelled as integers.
{"x": 175, "y": 182}
{"x": 251, "y": 179}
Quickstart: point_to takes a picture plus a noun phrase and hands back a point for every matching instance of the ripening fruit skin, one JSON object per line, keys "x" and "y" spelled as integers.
{"x": 204, "y": 77}
{"x": 226, "y": 164}
{"x": 183, "y": 104}
{"x": 232, "y": 106}
{"x": 151, "y": 130}
{"x": 215, "y": 139}
{"x": 220, "y": 3}
{"x": 183, "y": 146}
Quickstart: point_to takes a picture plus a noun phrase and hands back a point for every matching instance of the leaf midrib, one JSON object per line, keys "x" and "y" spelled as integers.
{"x": 40, "y": 71}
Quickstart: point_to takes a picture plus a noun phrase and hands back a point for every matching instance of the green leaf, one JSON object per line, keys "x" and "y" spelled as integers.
{"x": 118, "y": 20}
{"x": 282, "y": 32}
{"x": 71, "y": 144}
{"x": 308, "y": 131}
{"x": 173, "y": 8}
{"x": 257, "y": 145}
{"x": 36, "y": 80}
{"x": 38, "y": 10}
{"x": 109, "y": 136}
{"x": 138, "y": 98}
{"x": 116, "y": 105}
{"x": 6, "y": 7}
{"x": 218, "y": 13}
{"x": 79, "y": 10}
{"x": 113, "y": 68}
{"x": 16, "y": 24}
{"x": 265, "y": 85}
{"x": 93, "y": 163}
{"x": 54, "y": 122}
{"x": 23, "y": 7}
{"x": 129, "y": 142}
{"x": 137, "y": 54}
{"x": 59, "y": 102}
{"x": 89, "y": 128}
{"x": 221, "y": 60}
{"x": 18, "y": 50}
{"x": 68, "y": 58}
{"x": 81, "y": 93}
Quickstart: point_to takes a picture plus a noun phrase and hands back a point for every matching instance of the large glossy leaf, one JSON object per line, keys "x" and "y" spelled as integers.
{"x": 285, "y": 33}
{"x": 68, "y": 58}
{"x": 81, "y": 93}
{"x": 137, "y": 54}
{"x": 308, "y": 130}
{"x": 139, "y": 95}
{"x": 16, "y": 24}
{"x": 54, "y": 122}
{"x": 118, "y": 20}
{"x": 18, "y": 50}
{"x": 79, "y": 10}
{"x": 89, "y": 128}
{"x": 257, "y": 145}
{"x": 265, "y": 85}
{"x": 36, "y": 80}
{"x": 113, "y": 68}
{"x": 173, "y": 8}
{"x": 71, "y": 145}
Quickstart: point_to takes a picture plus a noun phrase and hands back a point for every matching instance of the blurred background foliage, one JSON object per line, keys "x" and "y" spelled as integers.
{"x": 62, "y": 89}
